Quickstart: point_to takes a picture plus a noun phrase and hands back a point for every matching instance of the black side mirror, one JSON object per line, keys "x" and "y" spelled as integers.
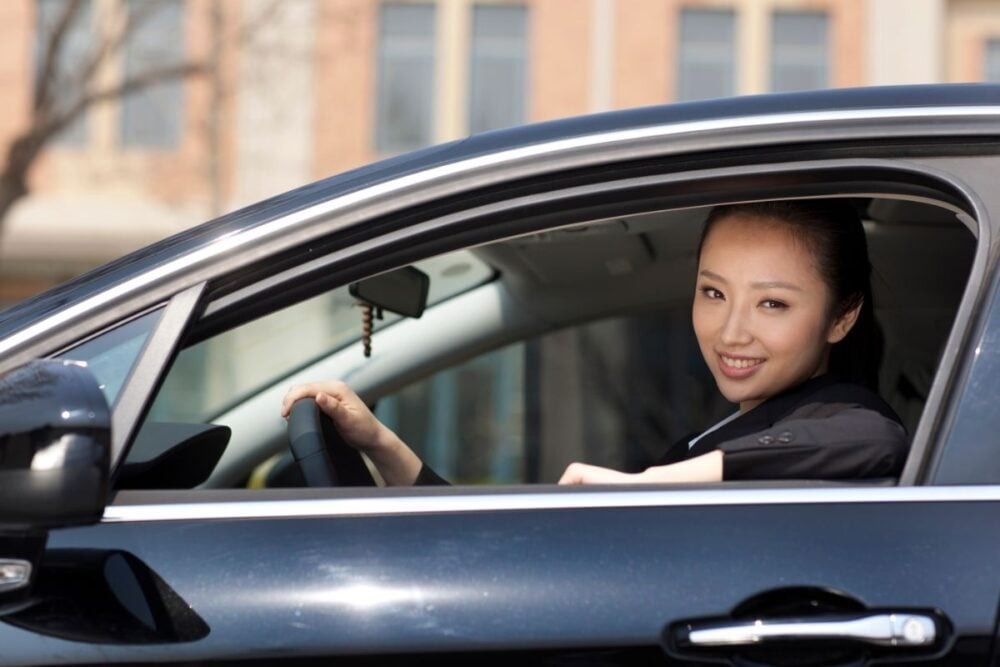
{"x": 55, "y": 453}
{"x": 402, "y": 291}
{"x": 55, "y": 447}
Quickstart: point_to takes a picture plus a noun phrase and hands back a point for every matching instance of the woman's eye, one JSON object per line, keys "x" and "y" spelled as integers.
{"x": 711, "y": 292}
{"x": 771, "y": 304}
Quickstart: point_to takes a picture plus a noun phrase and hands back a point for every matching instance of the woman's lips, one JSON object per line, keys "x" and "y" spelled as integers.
{"x": 738, "y": 368}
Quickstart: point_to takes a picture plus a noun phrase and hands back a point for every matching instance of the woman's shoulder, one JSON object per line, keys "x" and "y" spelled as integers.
{"x": 826, "y": 396}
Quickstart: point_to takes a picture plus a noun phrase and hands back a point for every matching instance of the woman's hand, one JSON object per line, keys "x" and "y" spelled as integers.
{"x": 354, "y": 421}
{"x": 395, "y": 461}
{"x": 582, "y": 473}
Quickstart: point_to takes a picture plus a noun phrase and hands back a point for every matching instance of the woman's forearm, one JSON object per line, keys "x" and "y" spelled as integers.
{"x": 396, "y": 462}
{"x": 704, "y": 468}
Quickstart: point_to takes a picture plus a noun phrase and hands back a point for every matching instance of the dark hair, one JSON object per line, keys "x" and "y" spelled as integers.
{"x": 832, "y": 230}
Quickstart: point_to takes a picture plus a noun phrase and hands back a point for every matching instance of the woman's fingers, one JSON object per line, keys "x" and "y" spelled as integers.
{"x": 582, "y": 473}
{"x": 335, "y": 389}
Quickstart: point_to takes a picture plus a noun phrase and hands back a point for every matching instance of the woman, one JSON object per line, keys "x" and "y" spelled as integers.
{"x": 783, "y": 316}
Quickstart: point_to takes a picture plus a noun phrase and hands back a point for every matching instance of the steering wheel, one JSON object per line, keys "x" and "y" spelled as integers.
{"x": 323, "y": 456}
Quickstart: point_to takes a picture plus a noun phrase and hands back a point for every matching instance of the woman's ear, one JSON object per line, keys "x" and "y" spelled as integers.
{"x": 843, "y": 324}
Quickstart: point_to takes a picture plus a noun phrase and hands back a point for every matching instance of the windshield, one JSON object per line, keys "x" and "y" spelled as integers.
{"x": 213, "y": 375}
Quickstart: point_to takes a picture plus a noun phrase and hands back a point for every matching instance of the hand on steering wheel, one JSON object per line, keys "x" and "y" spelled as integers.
{"x": 320, "y": 451}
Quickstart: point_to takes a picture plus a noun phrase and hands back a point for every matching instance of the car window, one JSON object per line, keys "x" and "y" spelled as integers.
{"x": 111, "y": 355}
{"x": 614, "y": 393}
{"x": 217, "y": 373}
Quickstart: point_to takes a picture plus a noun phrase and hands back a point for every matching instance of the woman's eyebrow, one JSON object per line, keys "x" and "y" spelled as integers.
{"x": 713, "y": 276}
{"x": 775, "y": 284}
{"x": 765, "y": 284}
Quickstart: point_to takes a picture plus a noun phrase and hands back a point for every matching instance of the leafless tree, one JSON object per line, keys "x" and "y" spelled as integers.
{"x": 66, "y": 87}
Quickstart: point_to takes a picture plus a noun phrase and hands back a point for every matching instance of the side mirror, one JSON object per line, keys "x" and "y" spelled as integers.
{"x": 402, "y": 291}
{"x": 55, "y": 447}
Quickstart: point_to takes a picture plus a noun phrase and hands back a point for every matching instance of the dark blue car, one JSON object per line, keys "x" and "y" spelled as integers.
{"x": 151, "y": 510}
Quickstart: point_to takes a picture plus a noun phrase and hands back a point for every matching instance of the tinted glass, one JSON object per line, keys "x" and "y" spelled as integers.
{"x": 707, "y": 54}
{"x": 497, "y": 83}
{"x": 111, "y": 355}
{"x": 405, "y": 77}
{"x": 153, "y": 115}
{"x": 800, "y": 51}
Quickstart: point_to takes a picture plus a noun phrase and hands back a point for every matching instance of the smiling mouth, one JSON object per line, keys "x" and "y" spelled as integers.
{"x": 735, "y": 363}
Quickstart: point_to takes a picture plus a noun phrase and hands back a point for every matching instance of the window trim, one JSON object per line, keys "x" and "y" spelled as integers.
{"x": 145, "y": 506}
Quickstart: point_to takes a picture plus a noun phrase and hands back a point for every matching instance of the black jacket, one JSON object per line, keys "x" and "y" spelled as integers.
{"x": 821, "y": 429}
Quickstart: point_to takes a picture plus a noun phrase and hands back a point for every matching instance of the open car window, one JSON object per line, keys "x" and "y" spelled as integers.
{"x": 217, "y": 373}
{"x": 581, "y": 349}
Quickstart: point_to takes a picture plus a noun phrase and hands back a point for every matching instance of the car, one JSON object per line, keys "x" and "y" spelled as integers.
{"x": 509, "y": 303}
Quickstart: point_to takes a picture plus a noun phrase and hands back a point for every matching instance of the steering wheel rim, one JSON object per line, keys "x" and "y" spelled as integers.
{"x": 322, "y": 455}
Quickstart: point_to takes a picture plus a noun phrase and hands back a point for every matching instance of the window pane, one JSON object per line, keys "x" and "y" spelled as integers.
{"x": 707, "y": 54}
{"x": 74, "y": 49}
{"x": 153, "y": 116}
{"x": 991, "y": 69}
{"x": 615, "y": 393}
{"x": 497, "y": 83}
{"x": 111, "y": 355}
{"x": 799, "y": 51}
{"x": 219, "y": 372}
{"x": 405, "y": 78}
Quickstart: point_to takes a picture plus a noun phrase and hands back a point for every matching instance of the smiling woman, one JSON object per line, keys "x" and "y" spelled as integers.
{"x": 783, "y": 317}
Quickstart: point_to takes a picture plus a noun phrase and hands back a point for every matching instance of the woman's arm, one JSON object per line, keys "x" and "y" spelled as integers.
{"x": 704, "y": 468}
{"x": 395, "y": 461}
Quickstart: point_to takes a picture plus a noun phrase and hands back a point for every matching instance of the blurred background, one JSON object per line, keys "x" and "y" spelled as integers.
{"x": 124, "y": 121}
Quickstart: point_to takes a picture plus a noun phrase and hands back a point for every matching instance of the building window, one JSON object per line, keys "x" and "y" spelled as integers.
{"x": 800, "y": 51}
{"x": 405, "y": 77}
{"x": 498, "y": 69}
{"x": 69, "y": 54}
{"x": 153, "y": 116}
{"x": 991, "y": 66}
{"x": 707, "y": 54}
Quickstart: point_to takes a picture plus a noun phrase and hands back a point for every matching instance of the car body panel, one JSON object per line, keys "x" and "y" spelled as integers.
{"x": 553, "y": 578}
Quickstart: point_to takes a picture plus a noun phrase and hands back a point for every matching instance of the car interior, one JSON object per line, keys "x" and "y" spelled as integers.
{"x": 571, "y": 343}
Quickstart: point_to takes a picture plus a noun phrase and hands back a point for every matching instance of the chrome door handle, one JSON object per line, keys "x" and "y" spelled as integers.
{"x": 882, "y": 629}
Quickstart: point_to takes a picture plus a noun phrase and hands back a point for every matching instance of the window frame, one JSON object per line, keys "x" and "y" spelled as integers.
{"x": 841, "y": 177}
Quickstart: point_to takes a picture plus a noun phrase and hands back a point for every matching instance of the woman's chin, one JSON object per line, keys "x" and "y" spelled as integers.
{"x": 736, "y": 391}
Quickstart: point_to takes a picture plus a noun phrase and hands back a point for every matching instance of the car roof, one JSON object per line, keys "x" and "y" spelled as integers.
{"x": 856, "y": 99}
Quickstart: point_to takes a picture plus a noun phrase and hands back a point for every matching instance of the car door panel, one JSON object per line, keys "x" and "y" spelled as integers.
{"x": 554, "y": 578}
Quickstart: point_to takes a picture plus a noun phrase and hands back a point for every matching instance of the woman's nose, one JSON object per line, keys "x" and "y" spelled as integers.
{"x": 735, "y": 330}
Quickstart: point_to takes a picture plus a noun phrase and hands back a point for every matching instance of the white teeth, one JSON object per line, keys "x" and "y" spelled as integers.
{"x": 740, "y": 363}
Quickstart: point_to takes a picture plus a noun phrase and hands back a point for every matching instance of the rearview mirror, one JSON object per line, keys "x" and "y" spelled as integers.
{"x": 55, "y": 446}
{"x": 402, "y": 291}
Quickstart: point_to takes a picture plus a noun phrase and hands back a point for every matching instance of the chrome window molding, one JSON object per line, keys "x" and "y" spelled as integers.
{"x": 884, "y": 123}
{"x": 563, "y": 499}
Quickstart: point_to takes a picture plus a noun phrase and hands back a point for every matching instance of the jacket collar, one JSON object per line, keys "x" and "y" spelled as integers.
{"x": 765, "y": 415}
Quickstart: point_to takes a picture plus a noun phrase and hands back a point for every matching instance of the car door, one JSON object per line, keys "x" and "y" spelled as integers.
{"x": 844, "y": 574}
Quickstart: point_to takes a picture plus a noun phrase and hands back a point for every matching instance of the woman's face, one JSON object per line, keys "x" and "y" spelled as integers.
{"x": 761, "y": 310}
